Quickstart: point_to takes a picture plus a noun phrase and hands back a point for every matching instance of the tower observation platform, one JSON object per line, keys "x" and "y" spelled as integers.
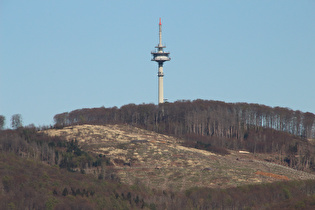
{"x": 160, "y": 56}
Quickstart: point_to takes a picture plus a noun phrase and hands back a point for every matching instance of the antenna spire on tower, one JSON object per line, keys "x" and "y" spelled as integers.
{"x": 160, "y": 22}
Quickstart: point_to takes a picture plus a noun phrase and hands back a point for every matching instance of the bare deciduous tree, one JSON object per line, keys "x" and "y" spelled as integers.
{"x": 16, "y": 121}
{"x": 2, "y": 121}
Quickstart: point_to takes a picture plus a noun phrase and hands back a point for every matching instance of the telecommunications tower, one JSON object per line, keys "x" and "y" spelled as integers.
{"x": 160, "y": 57}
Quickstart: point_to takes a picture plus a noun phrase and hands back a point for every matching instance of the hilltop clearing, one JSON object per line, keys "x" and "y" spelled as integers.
{"x": 160, "y": 161}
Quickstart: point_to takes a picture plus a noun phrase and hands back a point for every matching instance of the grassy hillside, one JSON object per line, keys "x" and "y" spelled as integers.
{"x": 160, "y": 161}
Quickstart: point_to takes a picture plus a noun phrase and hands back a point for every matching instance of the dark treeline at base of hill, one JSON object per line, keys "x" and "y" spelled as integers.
{"x": 216, "y": 126}
{"x": 39, "y": 172}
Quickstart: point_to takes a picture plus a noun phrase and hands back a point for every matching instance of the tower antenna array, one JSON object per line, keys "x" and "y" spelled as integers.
{"x": 160, "y": 56}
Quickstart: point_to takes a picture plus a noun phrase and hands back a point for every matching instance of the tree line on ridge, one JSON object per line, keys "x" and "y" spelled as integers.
{"x": 202, "y": 117}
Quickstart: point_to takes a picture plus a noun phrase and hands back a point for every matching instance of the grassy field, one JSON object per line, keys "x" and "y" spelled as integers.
{"x": 160, "y": 161}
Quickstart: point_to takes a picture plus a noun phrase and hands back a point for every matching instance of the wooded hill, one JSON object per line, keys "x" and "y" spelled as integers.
{"x": 36, "y": 172}
{"x": 256, "y": 128}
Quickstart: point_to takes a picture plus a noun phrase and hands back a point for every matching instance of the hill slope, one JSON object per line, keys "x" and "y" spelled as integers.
{"x": 160, "y": 161}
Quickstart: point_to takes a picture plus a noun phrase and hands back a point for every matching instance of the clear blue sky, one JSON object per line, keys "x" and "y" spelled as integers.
{"x": 57, "y": 56}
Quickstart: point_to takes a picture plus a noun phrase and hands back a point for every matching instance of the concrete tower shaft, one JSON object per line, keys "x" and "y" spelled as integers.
{"x": 161, "y": 86}
{"x": 160, "y": 57}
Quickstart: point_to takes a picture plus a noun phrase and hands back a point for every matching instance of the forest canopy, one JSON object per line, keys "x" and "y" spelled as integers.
{"x": 202, "y": 117}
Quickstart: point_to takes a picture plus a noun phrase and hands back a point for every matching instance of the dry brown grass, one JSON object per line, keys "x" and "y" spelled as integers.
{"x": 160, "y": 161}
{"x": 276, "y": 176}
